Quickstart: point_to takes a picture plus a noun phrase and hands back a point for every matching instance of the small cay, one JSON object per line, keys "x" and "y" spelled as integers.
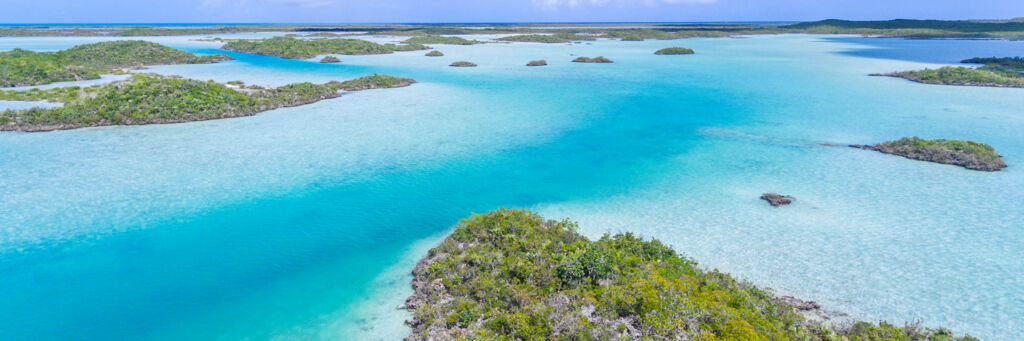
{"x": 512, "y": 275}
{"x": 540, "y": 62}
{"x": 330, "y": 60}
{"x": 967, "y": 154}
{"x": 592, "y": 60}
{"x": 462, "y": 64}
{"x": 674, "y": 50}
{"x": 434, "y": 53}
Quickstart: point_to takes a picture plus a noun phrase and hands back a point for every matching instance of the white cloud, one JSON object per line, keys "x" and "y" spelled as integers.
{"x": 555, "y": 4}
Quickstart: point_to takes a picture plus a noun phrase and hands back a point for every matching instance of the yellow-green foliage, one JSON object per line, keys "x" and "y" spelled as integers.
{"x": 22, "y": 67}
{"x": 289, "y": 47}
{"x": 511, "y": 275}
{"x": 960, "y": 75}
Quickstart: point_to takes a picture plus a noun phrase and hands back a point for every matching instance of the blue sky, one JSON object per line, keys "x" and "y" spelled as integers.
{"x": 353, "y": 11}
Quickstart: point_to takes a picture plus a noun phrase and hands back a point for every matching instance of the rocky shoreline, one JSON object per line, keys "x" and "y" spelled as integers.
{"x": 967, "y": 154}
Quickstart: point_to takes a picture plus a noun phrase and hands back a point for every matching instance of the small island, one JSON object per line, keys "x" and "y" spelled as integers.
{"x": 22, "y": 67}
{"x": 435, "y": 53}
{"x": 330, "y": 60}
{"x": 967, "y": 154}
{"x": 149, "y": 99}
{"x": 674, "y": 50}
{"x": 441, "y": 40}
{"x": 512, "y": 275}
{"x": 777, "y": 200}
{"x": 564, "y": 37}
{"x": 294, "y": 48}
{"x": 539, "y": 62}
{"x": 463, "y": 64}
{"x": 995, "y": 72}
{"x": 592, "y": 60}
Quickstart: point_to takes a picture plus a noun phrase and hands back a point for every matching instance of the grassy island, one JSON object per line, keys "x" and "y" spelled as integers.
{"x": 564, "y": 37}
{"x": 441, "y": 40}
{"x": 330, "y": 60}
{"x": 147, "y": 99}
{"x": 592, "y": 60}
{"x": 996, "y": 72}
{"x": 512, "y": 275}
{"x": 967, "y": 154}
{"x": 540, "y": 62}
{"x": 21, "y": 67}
{"x": 463, "y": 64}
{"x": 435, "y": 53}
{"x": 293, "y": 48}
{"x": 639, "y": 34}
{"x": 674, "y": 50}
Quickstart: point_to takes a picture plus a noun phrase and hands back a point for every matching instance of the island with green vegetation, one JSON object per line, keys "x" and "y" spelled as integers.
{"x": 918, "y": 29}
{"x": 563, "y": 37}
{"x": 512, "y": 275}
{"x": 435, "y": 53}
{"x": 463, "y": 63}
{"x": 148, "y": 99}
{"x": 967, "y": 154}
{"x": 539, "y": 62}
{"x": 638, "y": 34}
{"x": 330, "y": 60}
{"x": 22, "y": 67}
{"x": 293, "y": 48}
{"x": 674, "y": 50}
{"x": 441, "y": 40}
{"x": 994, "y": 72}
{"x": 592, "y": 60}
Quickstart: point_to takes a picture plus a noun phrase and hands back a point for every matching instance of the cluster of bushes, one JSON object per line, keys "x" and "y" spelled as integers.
{"x": 21, "y": 67}
{"x": 563, "y": 37}
{"x": 674, "y": 50}
{"x": 1010, "y": 67}
{"x": 436, "y": 39}
{"x": 293, "y": 48}
{"x": 967, "y": 154}
{"x": 512, "y": 275}
{"x": 959, "y": 75}
{"x": 148, "y": 99}
{"x": 639, "y": 34}
{"x": 330, "y": 60}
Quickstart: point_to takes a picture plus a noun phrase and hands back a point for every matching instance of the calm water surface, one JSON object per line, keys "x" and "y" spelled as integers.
{"x": 305, "y": 222}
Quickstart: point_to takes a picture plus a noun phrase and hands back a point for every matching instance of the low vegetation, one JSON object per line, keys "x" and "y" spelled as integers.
{"x": 919, "y": 29}
{"x": 434, "y": 53}
{"x": 512, "y": 275}
{"x": 639, "y": 34}
{"x": 436, "y": 40}
{"x": 564, "y": 37}
{"x": 146, "y": 99}
{"x": 592, "y": 60}
{"x": 330, "y": 60}
{"x": 960, "y": 75}
{"x": 463, "y": 64}
{"x": 967, "y": 154}
{"x": 22, "y": 67}
{"x": 674, "y": 50}
{"x": 293, "y": 48}
{"x": 1009, "y": 67}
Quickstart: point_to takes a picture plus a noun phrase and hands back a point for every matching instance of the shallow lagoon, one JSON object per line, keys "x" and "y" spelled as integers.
{"x": 304, "y": 222}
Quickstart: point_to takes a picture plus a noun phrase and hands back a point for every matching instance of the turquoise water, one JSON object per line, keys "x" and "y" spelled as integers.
{"x": 305, "y": 222}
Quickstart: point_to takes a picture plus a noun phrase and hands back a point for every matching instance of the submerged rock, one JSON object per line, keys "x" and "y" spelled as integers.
{"x": 777, "y": 199}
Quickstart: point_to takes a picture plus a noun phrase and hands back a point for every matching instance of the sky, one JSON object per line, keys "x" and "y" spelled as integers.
{"x": 425, "y": 11}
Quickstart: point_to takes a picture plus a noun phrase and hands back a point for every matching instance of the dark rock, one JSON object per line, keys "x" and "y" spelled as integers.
{"x": 777, "y": 199}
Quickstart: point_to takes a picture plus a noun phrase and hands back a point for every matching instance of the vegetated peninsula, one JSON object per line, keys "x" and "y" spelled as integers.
{"x": 674, "y": 50}
{"x": 293, "y": 48}
{"x": 563, "y": 37}
{"x": 148, "y": 99}
{"x": 512, "y": 275}
{"x": 995, "y": 72}
{"x": 441, "y": 40}
{"x": 592, "y": 60}
{"x": 967, "y": 154}
{"x": 22, "y": 67}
